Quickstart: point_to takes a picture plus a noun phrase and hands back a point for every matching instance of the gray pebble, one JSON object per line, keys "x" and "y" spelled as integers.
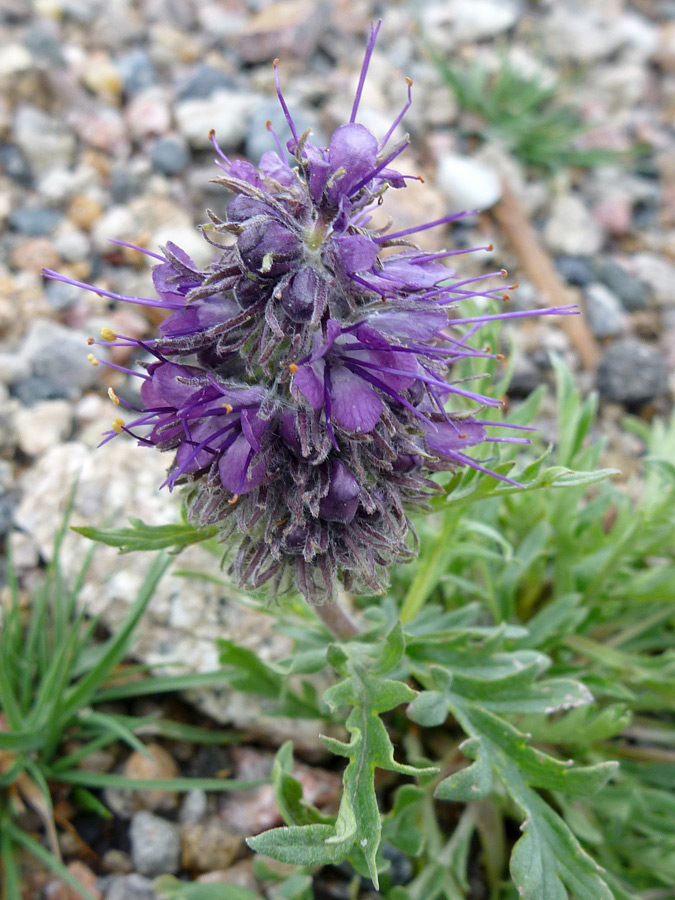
{"x": 35, "y": 221}
{"x": 170, "y": 155}
{"x": 14, "y": 164}
{"x": 575, "y": 270}
{"x": 137, "y": 70}
{"x": 194, "y": 807}
{"x": 632, "y": 372}
{"x": 604, "y": 312}
{"x": 57, "y": 360}
{"x": 124, "y": 185}
{"x": 129, "y": 887}
{"x": 202, "y": 81}
{"x": 631, "y": 291}
{"x": 42, "y": 41}
{"x": 44, "y": 139}
{"x": 155, "y": 844}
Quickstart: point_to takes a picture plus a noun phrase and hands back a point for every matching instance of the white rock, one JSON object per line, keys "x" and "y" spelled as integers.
{"x": 117, "y": 223}
{"x": 465, "y": 21}
{"x": 44, "y": 140}
{"x": 14, "y": 60}
{"x": 658, "y": 274}
{"x": 227, "y": 112}
{"x": 71, "y": 243}
{"x": 467, "y": 184}
{"x": 571, "y": 230}
{"x": 43, "y": 425}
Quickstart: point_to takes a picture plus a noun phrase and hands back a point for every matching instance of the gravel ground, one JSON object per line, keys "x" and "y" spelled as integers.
{"x": 105, "y": 110}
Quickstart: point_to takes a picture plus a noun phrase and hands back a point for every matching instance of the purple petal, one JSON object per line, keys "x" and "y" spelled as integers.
{"x": 354, "y": 148}
{"x": 446, "y": 439}
{"x": 414, "y": 325}
{"x": 342, "y": 500}
{"x": 358, "y": 252}
{"x": 309, "y": 381}
{"x": 356, "y": 405}
{"x": 237, "y": 475}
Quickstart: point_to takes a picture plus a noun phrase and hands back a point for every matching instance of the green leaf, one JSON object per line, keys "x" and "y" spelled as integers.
{"x": 548, "y": 859}
{"x": 149, "y": 537}
{"x": 358, "y": 825}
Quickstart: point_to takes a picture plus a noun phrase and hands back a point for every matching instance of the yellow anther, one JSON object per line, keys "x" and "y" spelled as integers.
{"x": 227, "y": 407}
{"x": 92, "y": 359}
{"x": 108, "y": 334}
{"x": 118, "y": 425}
{"x": 409, "y": 82}
{"x": 212, "y": 134}
{"x": 233, "y": 499}
{"x": 113, "y": 396}
{"x": 503, "y": 273}
{"x": 292, "y": 368}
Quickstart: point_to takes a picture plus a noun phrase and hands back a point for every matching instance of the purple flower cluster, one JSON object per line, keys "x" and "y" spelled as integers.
{"x": 303, "y": 378}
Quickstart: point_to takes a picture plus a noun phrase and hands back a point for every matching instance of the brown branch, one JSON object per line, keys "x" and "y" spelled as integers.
{"x": 541, "y": 271}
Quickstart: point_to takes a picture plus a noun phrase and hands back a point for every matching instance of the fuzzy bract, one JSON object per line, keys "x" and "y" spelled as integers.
{"x": 304, "y": 379}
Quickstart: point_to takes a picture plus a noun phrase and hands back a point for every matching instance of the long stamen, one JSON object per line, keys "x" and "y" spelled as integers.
{"x": 284, "y": 107}
{"x": 399, "y": 117}
{"x": 364, "y": 70}
{"x": 444, "y": 221}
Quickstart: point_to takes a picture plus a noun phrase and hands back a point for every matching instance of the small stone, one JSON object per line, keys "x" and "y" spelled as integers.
{"x": 194, "y": 807}
{"x": 466, "y": 21}
{"x": 203, "y": 81}
{"x": 35, "y": 221}
{"x": 57, "y": 355}
{"x": 124, "y": 184}
{"x": 576, "y": 270}
{"x": 571, "y": 230}
{"x": 44, "y": 140}
{"x": 630, "y": 290}
{"x": 84, "y": 211}
{"x": 116, "y": 861}
{"x": 34, "y": 254}
{"x": 209, "y": 846}
{"x": 603, "y": 311}
{"x": 14, "y": 60}
{"x": 467, "y": 184}
{"x": 42, "y": 41}
{"x": 170, "y": 155}
{"x": 14, "y": 164}
{"x": 157, "y": 764}
{"x": 102, "y": 77}
{"x": 155, "y": 845}
{"x": 72, "y": 245}
{"x": 287, "y": 28}
{"x": 632, "y": 372}
{"x": 614, "y": 214}
{"x": 25, "y": 552}
{"x": 130, "y": 887}
{"x": 137, "y": 70}
{"x": 658, "y": 274}
{"x": 148, "y": 113}
{"x": 226, "y": 112}
{"x": 43, "y": 425}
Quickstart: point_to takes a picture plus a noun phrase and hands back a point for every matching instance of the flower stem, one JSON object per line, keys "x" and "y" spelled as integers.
{"x": 337, "y": 620}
